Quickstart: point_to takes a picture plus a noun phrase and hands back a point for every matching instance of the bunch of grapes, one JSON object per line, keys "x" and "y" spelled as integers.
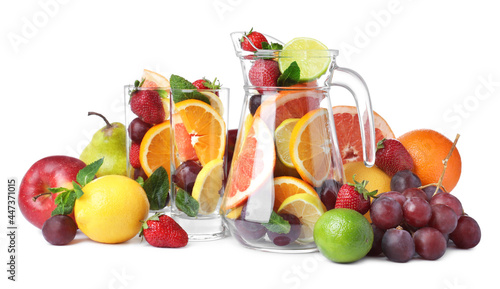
{"x": 411, "y": 220}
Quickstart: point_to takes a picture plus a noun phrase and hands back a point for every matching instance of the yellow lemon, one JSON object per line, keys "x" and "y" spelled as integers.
{"x": 377, "y": 179}
{"x": 111, "y": 209}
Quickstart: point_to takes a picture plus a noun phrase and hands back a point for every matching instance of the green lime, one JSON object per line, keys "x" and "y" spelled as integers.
{"x": 343, "y": 235}
{"x": 311, "y": 56}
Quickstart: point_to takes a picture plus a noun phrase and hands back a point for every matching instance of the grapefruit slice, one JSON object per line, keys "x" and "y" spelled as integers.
{"x": 288, "y": 104}
{"x": 205, "y": 129}
{"x": 310, "y": 147}
{"x": 252, "y": 167}
{"x": 349, "y": 134}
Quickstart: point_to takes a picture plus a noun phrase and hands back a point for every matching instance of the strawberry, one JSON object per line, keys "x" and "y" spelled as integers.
{"x": 252, "y": 40}
{"x": 264, "y": 72}
{"x": 134, "y": 155}
{"x": 147, "y": 105}
{"x": 392, "y": 157}
{"x": 207, "y": 84}
{"x": 162, "y": 231}
{"x": 354, "y": 196}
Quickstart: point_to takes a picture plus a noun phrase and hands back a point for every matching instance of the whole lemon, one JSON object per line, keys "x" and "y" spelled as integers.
{"x": 111, "y": 209}
{"x": 343, "y": 235}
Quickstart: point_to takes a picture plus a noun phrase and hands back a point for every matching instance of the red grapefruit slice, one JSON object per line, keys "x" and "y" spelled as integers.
{"x": 288, "y": 104}
{"x": 349, "y": 134}
{"x": 252, "y": 167}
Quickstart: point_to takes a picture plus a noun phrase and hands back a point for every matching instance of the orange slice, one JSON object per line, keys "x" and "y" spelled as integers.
{"x": 308, "y": 209}
{"x": 205, "y": 127}
{"x": 285, "y": 187}
{"x": 252, "y": 167}
{"x": 310, "y": 147}
{"x": 288, "y": 104}
{"x": 155, "y": 148}
{"x": 349, "y": 134}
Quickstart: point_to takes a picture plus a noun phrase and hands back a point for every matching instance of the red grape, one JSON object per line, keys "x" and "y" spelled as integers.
{"x": 398, "y": 245}
{"x": 185, "y": 175}
{"x": 430, "y": 243}
{"x": 378, "y": 234}
{"x": 443, "y": 218}
{"x": 59, "y": 230}
{"x": 449, "y": 200}
{"x": 395, "y": 195}
{"x": 328, "y": 193}
{"x": 386, "y": 213}
{"x": 404, "y": 179}
{"x": 415, "y": 192}
{"x": 137, "y": 129}
{"x": 467, "y": 234}
{"x": 417, "y": 212}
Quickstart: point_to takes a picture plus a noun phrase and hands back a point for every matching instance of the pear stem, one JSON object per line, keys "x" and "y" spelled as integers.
{"x": 102, "y": 116}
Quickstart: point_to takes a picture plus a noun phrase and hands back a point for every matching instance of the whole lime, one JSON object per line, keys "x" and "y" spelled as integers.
{"x": 343, "y": 235}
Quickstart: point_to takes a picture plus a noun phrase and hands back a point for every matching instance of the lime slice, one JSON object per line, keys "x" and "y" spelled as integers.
{"x": 308, "y": 209}
{"x": 282, "y": 136}
{"x": 207, "y": 186}
{"x": 311, "y": 56}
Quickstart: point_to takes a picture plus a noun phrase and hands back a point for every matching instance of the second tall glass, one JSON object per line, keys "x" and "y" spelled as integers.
{"x": 198, "y": 160}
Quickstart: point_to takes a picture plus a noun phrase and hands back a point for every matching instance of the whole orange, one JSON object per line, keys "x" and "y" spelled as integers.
{"x": 429, "y": 148}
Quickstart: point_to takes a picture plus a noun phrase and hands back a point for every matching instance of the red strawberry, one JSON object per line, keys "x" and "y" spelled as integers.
{"x": 207, "y": 84}
{"x": 147, "y": 105}
{"x": 252, "y": 37}
{"x": 264, "y": 72}
{"x": 354, "y": 196}
{"x": 134, "y": 155}
{"x": 392, "y": 157}
{"x": 162, "y": 231}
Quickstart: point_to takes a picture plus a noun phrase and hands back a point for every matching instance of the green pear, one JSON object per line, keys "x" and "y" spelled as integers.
{"x": 109, "y": 143}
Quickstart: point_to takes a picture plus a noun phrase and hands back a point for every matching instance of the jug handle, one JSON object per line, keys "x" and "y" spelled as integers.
{"x": 354, "y": 83}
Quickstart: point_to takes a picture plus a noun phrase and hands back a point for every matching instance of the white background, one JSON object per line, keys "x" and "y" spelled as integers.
{"x": 428, "y": 64}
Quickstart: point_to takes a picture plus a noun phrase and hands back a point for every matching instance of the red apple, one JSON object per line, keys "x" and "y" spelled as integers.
{"x": 49, "y": 172}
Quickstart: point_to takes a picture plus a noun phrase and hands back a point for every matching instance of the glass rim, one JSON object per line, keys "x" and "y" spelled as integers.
{"x": 131, "y": 86}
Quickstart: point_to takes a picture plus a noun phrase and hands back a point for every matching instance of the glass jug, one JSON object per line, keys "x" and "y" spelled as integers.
{"x": 286, "y": 151}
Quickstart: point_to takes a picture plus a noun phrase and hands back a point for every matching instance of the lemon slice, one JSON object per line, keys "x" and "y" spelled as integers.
{"x": 308, "y": 209}
{"x": 312, "y": 57}
{"x": 282, "y": 136}
{"x": 207, "y": 186}
{"x": 215, "y": 101}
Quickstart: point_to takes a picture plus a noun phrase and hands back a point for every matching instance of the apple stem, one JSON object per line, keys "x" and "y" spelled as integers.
{"x": 102, "y": 116}
{"x": 445, "y": 164}
{"x": 38, "y": 196}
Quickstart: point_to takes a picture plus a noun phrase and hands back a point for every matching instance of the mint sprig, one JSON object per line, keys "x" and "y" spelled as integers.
{"x": 178, "y": 84}
{"x": 271, "y": 46}
{"x": 66, "y": 198}
{"x": 277, "y": 224}
{"x": 157, "y": 188}
{"x": 290, "y": 76}
{"x": 186, "y": 203}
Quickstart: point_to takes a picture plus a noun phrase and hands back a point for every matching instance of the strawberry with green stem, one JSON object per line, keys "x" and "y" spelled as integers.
{"x": 162, "y": 231}
{"x": 355, "y": 196}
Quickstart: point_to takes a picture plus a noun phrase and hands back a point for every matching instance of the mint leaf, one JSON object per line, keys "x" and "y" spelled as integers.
{"x": 157, "y": 188}
{"x": 65, "y": 202}
{"x": 271, "y": 46}
{"x": 290, "y": 76}
{"x": 277, "y": 224}
{"x": 87, "y": 174}
{"x": 178, "y": 83}
{"x": 186, "y": 203}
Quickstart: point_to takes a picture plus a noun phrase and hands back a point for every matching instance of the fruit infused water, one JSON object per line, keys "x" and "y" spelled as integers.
{"x": 286, "y": 155}
{"x": 198, "y": 120}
